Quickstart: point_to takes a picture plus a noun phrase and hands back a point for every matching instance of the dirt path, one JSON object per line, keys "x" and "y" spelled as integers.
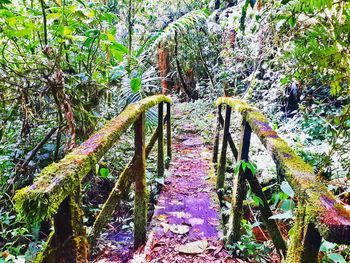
{"x": 187, "y": 210}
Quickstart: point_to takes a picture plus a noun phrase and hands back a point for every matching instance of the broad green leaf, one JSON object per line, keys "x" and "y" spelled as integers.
{"x": 244, "y": 165}
{"x": 336, "y": 258}
{"x": 287, "y": 189}
{"x": 287, "y": 215}
{"x": 159, "y": 180}
{"x": 68, "y": 31}
{"x": 6, "y": 13}
{"x": 252, "y": 167}
{"x": 257, "y": 200}
{"x": 119, "y": 47}
{"x": 327, "y": 246}
{"x": 104, "y": 173}
{"x": 287, "y": 205}
{"x": 53, "y": 16}
{"x": 136, "y": 85}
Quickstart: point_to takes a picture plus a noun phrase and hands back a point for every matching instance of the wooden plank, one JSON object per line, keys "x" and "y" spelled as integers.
{"x": 68, "y": 242}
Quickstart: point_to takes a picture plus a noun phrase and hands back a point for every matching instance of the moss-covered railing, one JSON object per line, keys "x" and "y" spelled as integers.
{"x": 318, "y": 212}
{"x": 56, "y": 192}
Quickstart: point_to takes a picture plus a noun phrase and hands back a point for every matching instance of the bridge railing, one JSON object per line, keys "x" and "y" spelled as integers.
{"x": 318, "y": 213}
{"x": 56, "y": 192}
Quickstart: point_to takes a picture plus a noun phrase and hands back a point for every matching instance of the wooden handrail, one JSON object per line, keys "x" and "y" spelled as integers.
{"x": 56, "y": 191}
{"x": 318, "y": 212}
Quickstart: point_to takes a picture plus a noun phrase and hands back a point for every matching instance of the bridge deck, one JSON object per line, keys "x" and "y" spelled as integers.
{"x": 187, "y": 208}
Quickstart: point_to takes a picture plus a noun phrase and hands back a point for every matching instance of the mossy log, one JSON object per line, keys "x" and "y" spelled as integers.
{"x": 330, "y": 218}
{"x": 57, "y": 181}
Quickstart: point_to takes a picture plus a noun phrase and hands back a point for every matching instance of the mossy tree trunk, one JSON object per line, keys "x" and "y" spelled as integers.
{"x": 141, "y": 197}
{"x": 164, "y": 67}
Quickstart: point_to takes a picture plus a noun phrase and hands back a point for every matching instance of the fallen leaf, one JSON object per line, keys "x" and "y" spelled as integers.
{"x": 179, "y": 229}
{"x": 195, "y": 221}
{"x": 180, "y": 214}
{"x": 162, "y": 218}
{"x": 196, "y": 247}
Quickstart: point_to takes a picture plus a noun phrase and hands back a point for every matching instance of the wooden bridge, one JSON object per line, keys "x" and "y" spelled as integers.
{"x": 56, "y": 193}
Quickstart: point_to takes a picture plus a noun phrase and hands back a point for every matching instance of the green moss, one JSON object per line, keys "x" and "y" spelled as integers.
{"x": 59, "y": 180}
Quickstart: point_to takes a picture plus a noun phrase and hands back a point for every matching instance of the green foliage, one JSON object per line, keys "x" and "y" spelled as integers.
{"x": 245, "y": 165}
{"x": 247, "y": 248}
{"x": 333, "y": 253}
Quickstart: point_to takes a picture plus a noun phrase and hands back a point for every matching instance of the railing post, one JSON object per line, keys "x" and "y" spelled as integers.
{"x": 68, "y": 242}
{"x": 168, "y": 130}
{"x": 239, "y": 189}
{"x": 217, "y": 135}
{"x": 306, "y": 240}
{"x": 160, "y": 166}
{"x": 222, "y": 162}
{"x": 141, "y": 202}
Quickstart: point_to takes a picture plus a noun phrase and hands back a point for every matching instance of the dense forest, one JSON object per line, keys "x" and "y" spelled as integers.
{"x": 68, "y": 68}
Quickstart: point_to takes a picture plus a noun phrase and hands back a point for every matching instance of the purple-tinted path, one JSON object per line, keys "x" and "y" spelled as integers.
{"x": 187, "y": 209}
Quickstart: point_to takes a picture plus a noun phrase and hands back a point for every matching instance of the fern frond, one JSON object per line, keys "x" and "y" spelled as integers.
{"x": 180, "y": 26}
